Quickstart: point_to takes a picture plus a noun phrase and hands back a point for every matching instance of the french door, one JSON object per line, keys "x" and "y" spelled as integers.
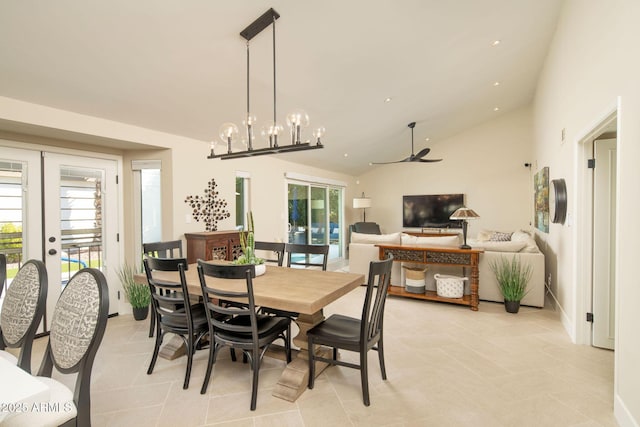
{"x": 67, "y": 214}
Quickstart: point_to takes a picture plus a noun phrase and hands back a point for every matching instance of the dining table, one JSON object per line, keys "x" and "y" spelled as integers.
{"x": 304, "y": 291}
{"x": 19, "y": 390}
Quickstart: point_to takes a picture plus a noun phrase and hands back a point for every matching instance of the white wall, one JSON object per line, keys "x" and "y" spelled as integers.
{"x": 592, "y": 61}
{"x": 486, "y": 163}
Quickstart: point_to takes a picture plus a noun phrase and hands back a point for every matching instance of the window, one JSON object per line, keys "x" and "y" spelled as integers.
{"x": 242, "y": 199}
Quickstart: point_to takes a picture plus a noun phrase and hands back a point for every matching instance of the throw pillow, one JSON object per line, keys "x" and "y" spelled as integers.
{"x": 484, "y": 235}
{"x": 393, "y": 238}
{"x": 498, "y": 236}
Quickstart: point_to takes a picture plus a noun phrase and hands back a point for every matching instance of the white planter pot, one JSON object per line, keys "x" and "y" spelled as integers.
{"x": 260, "y": 269}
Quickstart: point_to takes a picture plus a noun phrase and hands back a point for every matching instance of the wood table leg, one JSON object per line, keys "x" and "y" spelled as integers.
{"x": 295, "y": 378}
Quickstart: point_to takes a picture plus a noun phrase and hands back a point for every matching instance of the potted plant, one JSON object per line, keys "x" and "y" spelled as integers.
{"x": 248, "y": 245}
{"x": 513, "y": 278}
{"x": 138, "y": 294}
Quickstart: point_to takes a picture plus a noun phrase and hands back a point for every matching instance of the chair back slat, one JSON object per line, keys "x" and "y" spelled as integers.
{"x": 308, "y": 251}
{"x": 276, "y": 248}
{"x": 376, "y": 295}
{"x": 167, "y": 249}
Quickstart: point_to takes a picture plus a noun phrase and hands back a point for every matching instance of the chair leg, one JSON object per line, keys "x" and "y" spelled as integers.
{"x": 381, "y": 358}
{"x": 233, "y": 354}
{"x": 211, "y": 361}
{"x": 156, "y": 350}
{"x": 190, "y": 351}
{"x": 364, "y": 377}
{"x": 312, "y": 365}
{"x": 255, "y": 363}
{"x": 287, "y": 344}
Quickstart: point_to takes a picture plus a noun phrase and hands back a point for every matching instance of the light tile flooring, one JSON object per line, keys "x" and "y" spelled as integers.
{"x": 446, "y": 366}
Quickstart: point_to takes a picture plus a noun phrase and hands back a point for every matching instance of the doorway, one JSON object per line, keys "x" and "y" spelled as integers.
{"x": 64, "y": 211}
{"x": 314, "y": 215}
{"x": 597, "y": 237}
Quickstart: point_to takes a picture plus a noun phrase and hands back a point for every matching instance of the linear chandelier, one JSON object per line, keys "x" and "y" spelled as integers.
{"x": 231, "y": 146}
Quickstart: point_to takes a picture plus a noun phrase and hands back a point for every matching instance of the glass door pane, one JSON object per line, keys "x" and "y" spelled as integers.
{"x": 297, "y": 198}
{"x": 335, "y": 222}
{"x": 318, "y": 215}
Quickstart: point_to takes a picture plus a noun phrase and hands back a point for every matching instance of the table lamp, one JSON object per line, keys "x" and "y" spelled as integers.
{"x": 362, "y": 203}
{"x": 464, "y": 214}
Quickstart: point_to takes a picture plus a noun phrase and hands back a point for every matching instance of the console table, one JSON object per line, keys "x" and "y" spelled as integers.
{"x": 423, "y": 254}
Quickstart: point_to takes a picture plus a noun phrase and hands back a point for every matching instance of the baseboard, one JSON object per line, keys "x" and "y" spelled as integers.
{"x": 622, "y": 414}
{"x": 568, "y": 325}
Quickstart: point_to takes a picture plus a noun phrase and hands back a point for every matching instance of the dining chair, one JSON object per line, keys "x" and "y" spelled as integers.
{"x": 358, "y": 335}
{"x": 77, "y": 327}
{"x": 3, "y": 272}
{"x": 22, "y": 311}
{"x": 166, "y": 249}
{"x": 276, "y": 248}
{"x": 174, "y": 314}
{"x": 310, "y": 252}
{"x": 309, "y": 261}
{"x": 239, "y": 327}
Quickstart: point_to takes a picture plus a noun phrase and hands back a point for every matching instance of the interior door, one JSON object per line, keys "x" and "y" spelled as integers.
{"x": 80, "y": 221}
{"x": 604, "y": 244}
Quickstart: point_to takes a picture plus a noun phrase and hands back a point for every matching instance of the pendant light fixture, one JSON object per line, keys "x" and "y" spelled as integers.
{"x": 233, "y": 146}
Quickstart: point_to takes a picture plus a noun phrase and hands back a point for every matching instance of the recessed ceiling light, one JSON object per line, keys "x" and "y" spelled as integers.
{"x": 496, "y": 109}
{"x": 495, "y": 43}
{"x": 346, "y": 154}
{"x": 427, "y": 139}
{"x": 388, "y": 99}
{"x": 496, "y": 83}
{"x": 370, "y": 164}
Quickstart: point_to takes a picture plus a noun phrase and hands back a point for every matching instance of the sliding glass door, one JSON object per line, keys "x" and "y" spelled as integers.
{"x": 315, "y": 215}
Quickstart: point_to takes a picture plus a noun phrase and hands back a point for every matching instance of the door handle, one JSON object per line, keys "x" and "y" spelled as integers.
{"x": 52, "y": 252}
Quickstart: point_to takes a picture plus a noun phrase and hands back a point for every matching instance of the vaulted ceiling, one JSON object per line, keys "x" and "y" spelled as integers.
{"x": 180, "y": 66}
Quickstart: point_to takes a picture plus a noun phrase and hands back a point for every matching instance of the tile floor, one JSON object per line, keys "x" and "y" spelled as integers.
{"x": 446, "y": 366}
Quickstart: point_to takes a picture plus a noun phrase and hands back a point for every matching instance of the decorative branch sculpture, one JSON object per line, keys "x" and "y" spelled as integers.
{"x": 208, "y": 208}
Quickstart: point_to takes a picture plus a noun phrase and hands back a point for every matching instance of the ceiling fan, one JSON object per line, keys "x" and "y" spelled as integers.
{"x": 413, "y": 157}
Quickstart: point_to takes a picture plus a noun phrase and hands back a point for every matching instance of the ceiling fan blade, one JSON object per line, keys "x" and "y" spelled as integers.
{"x": 389, "y": 163}
{"x": 422, "y": 153}
{"x": 428, "y": 160}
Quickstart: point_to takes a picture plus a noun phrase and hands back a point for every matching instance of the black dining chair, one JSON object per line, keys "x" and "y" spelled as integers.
{"x": 22, "y": 311}
{"x": 173, "y": 312}
{"x": 275, "y": 248}
{"x": 239, "y": 326}
{"x": 77, "y": 327}
{"x": 358, "y": 335}
{"x": 166, "y": 249}
{"x": 310, "y": 253}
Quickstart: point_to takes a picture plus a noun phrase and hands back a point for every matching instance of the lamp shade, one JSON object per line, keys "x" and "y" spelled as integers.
{"x": 464, "y": 213}
{"x": 361, "y": 202}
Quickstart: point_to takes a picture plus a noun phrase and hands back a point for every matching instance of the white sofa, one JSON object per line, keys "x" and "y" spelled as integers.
{"x": 362, "y": 251}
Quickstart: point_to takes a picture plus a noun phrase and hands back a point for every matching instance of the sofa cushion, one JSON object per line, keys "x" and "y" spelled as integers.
{"x": 393, "y": 238}
{"x": 530, "y": 243}
{"x": 498, "y": 246}
{"x": 437, "y": 241}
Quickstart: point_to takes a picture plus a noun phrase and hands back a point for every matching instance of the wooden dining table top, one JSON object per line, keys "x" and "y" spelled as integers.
{"x": 292, "y": 289}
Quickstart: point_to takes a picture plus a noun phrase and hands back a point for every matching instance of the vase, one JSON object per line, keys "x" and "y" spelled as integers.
{"x": 260, "y": 269}
{"x": 511, "y": 306}
{"x": 140, "y": 313}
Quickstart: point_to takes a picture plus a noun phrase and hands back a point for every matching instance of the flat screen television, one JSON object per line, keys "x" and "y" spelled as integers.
{"x": 431, "y": 210}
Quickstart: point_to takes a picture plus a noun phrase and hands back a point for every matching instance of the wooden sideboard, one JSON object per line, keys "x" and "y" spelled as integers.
{"x": 208, "y": 245}
{"x": 441, "y": 256}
